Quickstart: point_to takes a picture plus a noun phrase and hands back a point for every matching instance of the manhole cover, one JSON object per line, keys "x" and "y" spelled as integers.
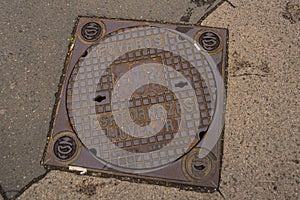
{"x": 141, "y": 99}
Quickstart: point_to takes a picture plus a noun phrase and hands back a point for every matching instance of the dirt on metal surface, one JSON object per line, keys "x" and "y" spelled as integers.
{"x": 137, "y": 100}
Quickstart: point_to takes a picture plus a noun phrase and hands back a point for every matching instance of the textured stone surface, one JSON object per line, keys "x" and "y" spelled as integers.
{"x": 262, "y": 124}
{"x": 83, "y": 187}
{"x": 34, "y": 44}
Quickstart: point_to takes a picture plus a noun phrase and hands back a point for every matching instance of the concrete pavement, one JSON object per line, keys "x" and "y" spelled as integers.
{"x": 34, "y": 42}
{"x": 261, "y": 148}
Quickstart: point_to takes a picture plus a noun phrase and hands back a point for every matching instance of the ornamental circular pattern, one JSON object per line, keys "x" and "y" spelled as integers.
{"x": 139, "y": 99}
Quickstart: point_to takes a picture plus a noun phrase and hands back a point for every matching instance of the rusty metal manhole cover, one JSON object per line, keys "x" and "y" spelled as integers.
{"x": 141, "y": 99}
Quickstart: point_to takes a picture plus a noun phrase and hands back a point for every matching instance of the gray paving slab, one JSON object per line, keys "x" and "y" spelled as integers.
{"x": 262, "y": 123}
{"x": 83, "y": 187}
{"x": 261, "y": 145}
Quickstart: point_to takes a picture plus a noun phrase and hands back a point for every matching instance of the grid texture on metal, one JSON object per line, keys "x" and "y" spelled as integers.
{"x": 143, "y": 100}
{"x": 97, "y": 72}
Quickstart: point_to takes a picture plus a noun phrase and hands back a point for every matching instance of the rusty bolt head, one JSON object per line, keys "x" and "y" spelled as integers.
{"x": 65, "y": 148}
{"x": 209, "y": 41}
{"x": 91, "y": 31}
